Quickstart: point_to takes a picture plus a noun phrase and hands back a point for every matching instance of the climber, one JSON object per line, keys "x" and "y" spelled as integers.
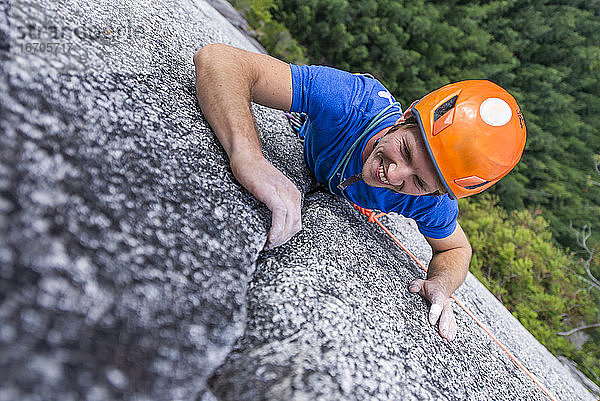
{"x": 453, "y": 142}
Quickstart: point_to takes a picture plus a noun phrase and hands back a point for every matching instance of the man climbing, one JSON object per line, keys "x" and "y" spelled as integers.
{"x": 452, "y": 143}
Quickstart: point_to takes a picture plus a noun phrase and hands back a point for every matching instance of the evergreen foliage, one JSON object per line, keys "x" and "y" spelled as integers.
{"x": 514, "y": 256}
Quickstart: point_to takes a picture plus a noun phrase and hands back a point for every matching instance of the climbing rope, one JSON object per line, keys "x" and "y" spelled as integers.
{"x": 296, "y": 120}
{"x": 373, "y": 217}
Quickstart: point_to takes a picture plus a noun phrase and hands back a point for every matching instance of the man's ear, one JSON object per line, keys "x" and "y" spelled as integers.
{"x": 407, "y": 112}
{"x": 404, "y": 116}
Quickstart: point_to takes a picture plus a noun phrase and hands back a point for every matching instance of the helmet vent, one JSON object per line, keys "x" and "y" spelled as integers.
{"x": 471, "y": 182}
{"x": 443, "y": 109}
{"x": 476, "y": 185}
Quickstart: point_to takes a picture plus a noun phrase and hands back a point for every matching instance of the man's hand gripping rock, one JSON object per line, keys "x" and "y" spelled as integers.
{"x": 441, "y": 307}
{"x": 276, "y": 191}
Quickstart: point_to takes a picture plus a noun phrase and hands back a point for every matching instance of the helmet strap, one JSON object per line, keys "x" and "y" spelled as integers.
{"x": 349, "y": 181}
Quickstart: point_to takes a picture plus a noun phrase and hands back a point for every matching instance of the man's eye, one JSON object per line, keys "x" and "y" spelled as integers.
{"x": 406, "y": 151}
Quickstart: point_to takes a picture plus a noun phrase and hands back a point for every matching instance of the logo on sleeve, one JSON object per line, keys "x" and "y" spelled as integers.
{"x": 386, "y": 95}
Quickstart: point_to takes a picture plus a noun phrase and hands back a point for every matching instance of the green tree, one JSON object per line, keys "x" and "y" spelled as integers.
{"x": 514, "y": 256}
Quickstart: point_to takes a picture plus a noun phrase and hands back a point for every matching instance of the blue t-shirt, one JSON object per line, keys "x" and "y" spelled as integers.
{"x": 339, "y": 106}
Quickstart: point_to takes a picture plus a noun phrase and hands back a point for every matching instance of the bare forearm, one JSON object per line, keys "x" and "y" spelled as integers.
{"x": 223, "y": 88}
{"x": 450, "y": 267}
{"x": 227, "y": 80}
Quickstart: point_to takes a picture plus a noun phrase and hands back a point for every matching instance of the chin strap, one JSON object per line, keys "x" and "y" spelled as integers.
{"x": 356, "y": 177}
{"x": 349, "y": 181}
{"x": 377, "y": 142}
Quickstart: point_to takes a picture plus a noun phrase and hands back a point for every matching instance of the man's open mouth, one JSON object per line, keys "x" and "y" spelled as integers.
{"x": 381, "y": 175}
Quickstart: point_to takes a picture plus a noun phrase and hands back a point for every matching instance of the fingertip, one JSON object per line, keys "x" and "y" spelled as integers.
{"x": 449, "y": 335}
{"x": 443, "y": 328}
{"x": 436, "y": 309}
{"x": 415, "y": 286}
{"x": 434, "y": 313}
{"x": 271, "y": 243}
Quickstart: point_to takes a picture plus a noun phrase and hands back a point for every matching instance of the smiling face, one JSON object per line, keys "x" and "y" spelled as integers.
{"x": 400, "y": 162}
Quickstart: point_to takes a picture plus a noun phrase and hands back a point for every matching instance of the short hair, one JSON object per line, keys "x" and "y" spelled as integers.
{"x": 413, "y": 126}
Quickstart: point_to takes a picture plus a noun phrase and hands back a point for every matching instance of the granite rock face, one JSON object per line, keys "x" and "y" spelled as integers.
{"x": 130, "y": 258}
{"x": 330, "y": 317}
{"x": 126, "y": 245}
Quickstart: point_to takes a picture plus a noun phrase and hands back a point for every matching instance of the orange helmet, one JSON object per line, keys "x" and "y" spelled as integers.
{"x": 474, "y": 132}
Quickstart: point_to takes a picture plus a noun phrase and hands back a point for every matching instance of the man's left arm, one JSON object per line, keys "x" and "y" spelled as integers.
{"x": 447, "y": 271}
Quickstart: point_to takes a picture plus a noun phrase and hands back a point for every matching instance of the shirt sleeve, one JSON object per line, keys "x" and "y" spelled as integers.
{"x": 438, "y": 221}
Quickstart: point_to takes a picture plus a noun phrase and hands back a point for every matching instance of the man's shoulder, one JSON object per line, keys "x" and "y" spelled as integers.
{"x": 360, "y": 90}
{"x": 435, "y": 215}
{"x": 425, "y": 209}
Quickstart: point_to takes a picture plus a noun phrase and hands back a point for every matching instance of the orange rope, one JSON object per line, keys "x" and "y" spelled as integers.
{"x": 372, "y": 217}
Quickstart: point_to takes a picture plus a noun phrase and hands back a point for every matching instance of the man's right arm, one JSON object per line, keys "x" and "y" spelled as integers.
{"x": 227, "y": 80}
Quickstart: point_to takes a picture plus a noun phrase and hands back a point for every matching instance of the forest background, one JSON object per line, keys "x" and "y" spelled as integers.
{"x": 535, "y": 233}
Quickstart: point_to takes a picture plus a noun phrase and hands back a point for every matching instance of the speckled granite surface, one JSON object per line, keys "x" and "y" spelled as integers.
{"x": 336, "y": 321}
{"x": 130, "y": 258}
